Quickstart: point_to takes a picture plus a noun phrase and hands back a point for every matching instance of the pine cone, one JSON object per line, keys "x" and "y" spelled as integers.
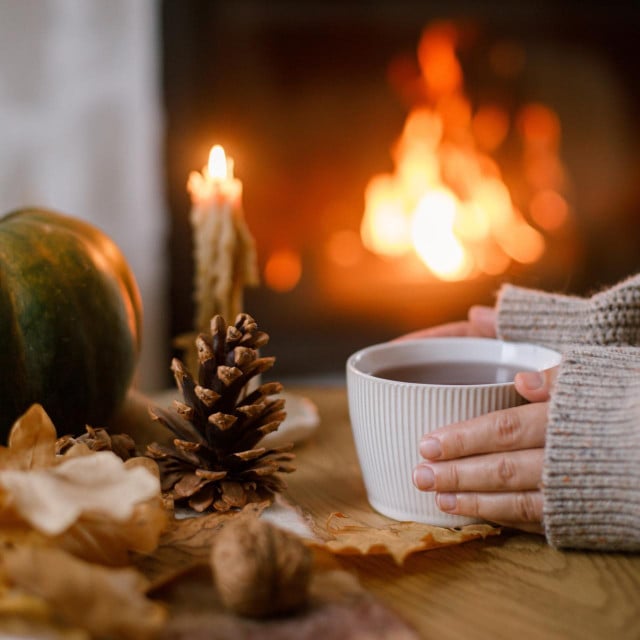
{"x": 214, "y": 461}
{"x": 99, "y": 440}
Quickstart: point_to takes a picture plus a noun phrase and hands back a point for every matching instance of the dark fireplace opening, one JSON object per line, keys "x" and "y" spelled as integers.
{"x": 311, "y": 98}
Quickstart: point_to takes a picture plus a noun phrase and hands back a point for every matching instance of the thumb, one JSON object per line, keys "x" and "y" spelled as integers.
{"x": 536, "y": 386}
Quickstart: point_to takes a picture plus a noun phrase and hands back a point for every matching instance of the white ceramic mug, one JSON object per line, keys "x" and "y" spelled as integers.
{"x": 390, "y": 417}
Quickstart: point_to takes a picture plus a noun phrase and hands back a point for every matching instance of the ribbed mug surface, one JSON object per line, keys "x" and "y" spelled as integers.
{"x": 389, "y": 418}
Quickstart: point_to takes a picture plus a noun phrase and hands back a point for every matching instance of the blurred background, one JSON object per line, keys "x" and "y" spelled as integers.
{"x": 400, "y": 160}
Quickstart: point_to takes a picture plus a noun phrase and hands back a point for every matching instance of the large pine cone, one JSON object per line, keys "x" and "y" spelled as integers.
{"x": 214, "y": 460}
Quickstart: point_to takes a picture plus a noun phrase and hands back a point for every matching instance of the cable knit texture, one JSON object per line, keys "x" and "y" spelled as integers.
{"x": 591, "y": 478}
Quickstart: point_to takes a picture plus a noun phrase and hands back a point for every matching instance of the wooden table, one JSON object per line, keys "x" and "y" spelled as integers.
{"x": 508, "y": 586}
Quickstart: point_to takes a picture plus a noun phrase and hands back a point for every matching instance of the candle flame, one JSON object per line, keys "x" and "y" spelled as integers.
{"x": 218, "y": 167}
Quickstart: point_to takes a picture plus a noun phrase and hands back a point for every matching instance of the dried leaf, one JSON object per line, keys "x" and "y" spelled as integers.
{"x": 32, "y": 442}
{"x": 144, "y": 462}
{"x": 27, "y": 616}
{"x": 110, "y": 542}
{"x": 105, "y": 602}
{"x": 95, "y": 506}
{"x": 187, "y": 543}
{"x": 19, "y": 604}
{"x": 398, "y": 539}
{"x": 52, "y": 499}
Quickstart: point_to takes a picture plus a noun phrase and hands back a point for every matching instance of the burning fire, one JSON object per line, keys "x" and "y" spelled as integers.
{"x": 446, "y": 199}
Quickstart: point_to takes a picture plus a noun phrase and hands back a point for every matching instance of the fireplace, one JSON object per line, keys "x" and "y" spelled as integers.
{"x": 504, "y": 137}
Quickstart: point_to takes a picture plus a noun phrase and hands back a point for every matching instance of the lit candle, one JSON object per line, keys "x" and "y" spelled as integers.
{"x": 224, "y": 250}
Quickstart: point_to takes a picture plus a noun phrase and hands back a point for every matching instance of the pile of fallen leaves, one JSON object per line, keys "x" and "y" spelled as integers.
{"x": 70, "y": 526}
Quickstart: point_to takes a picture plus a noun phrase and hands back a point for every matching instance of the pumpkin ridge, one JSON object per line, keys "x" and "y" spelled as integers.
{"x": 13, "y": 345}
{"x": 86, "y": 294}
{"x": 18, "y": 248}
{"x": 103, "y": 245}
{"x": 48, "y": 328}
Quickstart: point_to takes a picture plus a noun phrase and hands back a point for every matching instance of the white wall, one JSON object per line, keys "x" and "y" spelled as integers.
{"x": 80, "y": 132}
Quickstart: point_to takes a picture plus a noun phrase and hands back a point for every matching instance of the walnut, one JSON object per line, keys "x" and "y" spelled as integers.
{"x": 260, "y": 570}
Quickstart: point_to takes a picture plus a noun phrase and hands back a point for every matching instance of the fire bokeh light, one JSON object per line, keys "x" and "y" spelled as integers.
{"x": 446, "y": 199}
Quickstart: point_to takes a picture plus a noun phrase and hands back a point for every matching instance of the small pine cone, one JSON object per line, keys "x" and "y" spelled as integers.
{"x": 99, "y": 440}
{"x": 214, "y": 461}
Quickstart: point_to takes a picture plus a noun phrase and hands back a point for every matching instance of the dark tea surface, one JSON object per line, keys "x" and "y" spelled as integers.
{"x": 452, "y": 373}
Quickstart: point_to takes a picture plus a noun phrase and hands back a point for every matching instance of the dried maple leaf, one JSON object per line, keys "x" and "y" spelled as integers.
{"x": 398, "y": 539}
{"x": 105, "y": 602}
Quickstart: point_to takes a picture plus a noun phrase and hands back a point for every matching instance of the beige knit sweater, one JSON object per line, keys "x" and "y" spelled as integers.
{"x": 591, "y": 477}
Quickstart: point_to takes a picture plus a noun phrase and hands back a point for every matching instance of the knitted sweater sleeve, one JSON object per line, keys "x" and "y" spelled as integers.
{"x": 591, "y": 476}
{"x": 611, "y": 317}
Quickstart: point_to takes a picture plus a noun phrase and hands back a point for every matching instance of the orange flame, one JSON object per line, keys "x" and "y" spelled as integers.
{"x": 434, "y": 238}
{"x": 446, "y": 200}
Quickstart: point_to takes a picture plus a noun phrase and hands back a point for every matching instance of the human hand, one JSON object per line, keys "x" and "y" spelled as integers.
{"x": 490, "y": 467}
{"x": 480, "y": 322}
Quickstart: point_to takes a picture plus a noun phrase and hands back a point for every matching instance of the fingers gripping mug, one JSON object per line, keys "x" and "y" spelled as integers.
{"x": 398, "y": 391}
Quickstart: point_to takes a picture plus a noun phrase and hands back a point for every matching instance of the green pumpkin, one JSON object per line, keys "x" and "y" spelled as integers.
{"x": 70, "y": 321}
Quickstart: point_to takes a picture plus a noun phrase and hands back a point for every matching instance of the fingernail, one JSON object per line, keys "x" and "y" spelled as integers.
{"x": 531, "y": 380}
{"x": 430, "y": 448}
{"x": 446, "y": 501}
{"x": 423, "y": 478}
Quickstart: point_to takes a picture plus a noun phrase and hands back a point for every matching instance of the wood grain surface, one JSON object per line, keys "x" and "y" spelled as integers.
{"x": 508, "y": 586}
